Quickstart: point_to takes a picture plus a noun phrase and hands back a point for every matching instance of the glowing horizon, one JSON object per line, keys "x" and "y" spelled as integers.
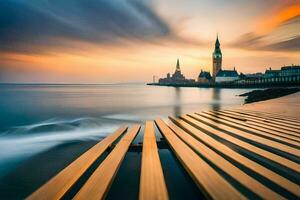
{"x": 130, "y": 41}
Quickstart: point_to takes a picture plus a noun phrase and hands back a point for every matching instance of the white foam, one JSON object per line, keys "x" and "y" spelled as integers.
{"x": 15, "y": 147}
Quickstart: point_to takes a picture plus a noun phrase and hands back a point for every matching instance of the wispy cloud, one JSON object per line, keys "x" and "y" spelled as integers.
{"x": 275, "y": 31}
{"x": 279, "y": 15}
{"x": 32, "y": 26}
{"x": 252, "y": 41}
{"x": 291, "y": 45}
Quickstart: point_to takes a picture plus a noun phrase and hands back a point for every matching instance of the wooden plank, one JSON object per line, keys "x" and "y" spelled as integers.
{"x": 258, "y": 168}
{"x": 152, "y": 183}
{"x": 258, "y": 119}
{"x": 276, "y": 116}
{"x": 252, "y": 127}
{"x": 250, "y": 130}
{"x": 260, "y": 140}
{"x": 258, "y": 125}
{"x": 281, "y": 122}
{"x": 56, "y": 187}
{"x": 98, "y": 184}
{"x": 254, "y": 149}
{"x": 237, "y": 174}
{"x": 267, "y": 120}
{"x": 207, "y": 179}
{"x": 252, "y": 120}
{"x": 243, "y": 123}
{"x": 274, "y": 119}
{"x": 265, "y": 124}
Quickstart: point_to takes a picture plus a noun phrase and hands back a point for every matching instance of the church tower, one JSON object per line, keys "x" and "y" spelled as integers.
{"x": 177, "y": 66}
{"x": 217, "y": 59}
{"x": 177, "y": 74}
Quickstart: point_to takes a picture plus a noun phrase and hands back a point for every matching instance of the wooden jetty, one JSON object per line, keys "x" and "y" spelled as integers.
{"x": 229, "y": 154}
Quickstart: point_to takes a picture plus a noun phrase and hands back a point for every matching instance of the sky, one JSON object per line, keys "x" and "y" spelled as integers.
{"x": 118, "y": 41}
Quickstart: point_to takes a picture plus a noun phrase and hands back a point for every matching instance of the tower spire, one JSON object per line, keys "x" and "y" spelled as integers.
{"x": 177, "y": 65}
{"x": 217, "y": 40}
{"x": 217, "y": 59}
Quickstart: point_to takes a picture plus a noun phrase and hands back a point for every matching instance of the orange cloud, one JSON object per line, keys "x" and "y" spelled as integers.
{"x": 277, "y": 17}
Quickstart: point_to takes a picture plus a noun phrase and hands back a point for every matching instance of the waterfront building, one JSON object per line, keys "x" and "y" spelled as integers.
{"x": 176, "y": 78}
{"x": 226, "y": 76}
{"x": 269, "y": 73}
{"x": 255, "y": 75}
{"x": 293, "y": 70}
{"x": 219, "y": 75}
{"x": 204, "y": 77}
{"x": 285, "y": 75}
{"x": 245, "y": 78}
{"x": 168, "y": 76}
{"x": 217, "y": 59}
{"x": 285, "y": 71}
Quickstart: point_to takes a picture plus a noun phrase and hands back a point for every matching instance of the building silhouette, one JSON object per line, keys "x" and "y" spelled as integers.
{"x": 176, "y": 78}
{"x": 286, "y": 76}
{"x": 218, "y": 74}
{"x": 227, "y": 76}
{"x": 286, "y": 71}
{"x": 204, "y": 77}
{"x": 177, "y": 74}
{"x": 217, "y": 59}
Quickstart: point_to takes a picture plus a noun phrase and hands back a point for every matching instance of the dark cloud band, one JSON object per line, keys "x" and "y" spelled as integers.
{"x": 28, "y": 26}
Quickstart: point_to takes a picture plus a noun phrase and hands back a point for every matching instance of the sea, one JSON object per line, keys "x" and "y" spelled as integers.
{"x": 37, "y": 118}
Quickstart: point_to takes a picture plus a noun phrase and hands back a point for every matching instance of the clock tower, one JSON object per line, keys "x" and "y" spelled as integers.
{"x": 217, "y": 59}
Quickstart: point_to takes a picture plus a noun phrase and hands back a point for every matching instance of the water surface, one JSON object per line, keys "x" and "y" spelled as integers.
{"x": 35, "y": 118}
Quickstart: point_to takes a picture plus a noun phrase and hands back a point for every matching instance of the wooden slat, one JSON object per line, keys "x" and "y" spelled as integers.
{"x": 276, "y": 116}
{"x": 261, "y": 170}
{"x": 266, "y": 120}
{"x": 152, "y": 183}
{"x": 260, "y": 120}
{"x": 252, "y": 127}
{"x": 207, "y": 179}
{"x": 283, "y": 121}
{"x": 56, "y": 187}
{"x": 98, "y": 184}
{"x": 254, "y": 149}
{"x": 251, "y": 130}
{"x": 258, "y": 125}
{"x": 237, "y": 174}
{"x": 248, "y": 136}
{"x": 253, "y": 120}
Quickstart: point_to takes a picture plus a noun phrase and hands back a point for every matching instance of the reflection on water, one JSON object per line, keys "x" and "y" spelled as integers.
{"x": 38, "y": 117}
{"x": 177, "y": 106}
{"x": 216, "y": 99}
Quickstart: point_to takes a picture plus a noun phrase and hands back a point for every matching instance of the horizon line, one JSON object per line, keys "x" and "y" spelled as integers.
{"x": 47, "y": 83}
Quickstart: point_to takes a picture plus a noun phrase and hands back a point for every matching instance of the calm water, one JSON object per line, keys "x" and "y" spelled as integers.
{"x": 35, "y": 118}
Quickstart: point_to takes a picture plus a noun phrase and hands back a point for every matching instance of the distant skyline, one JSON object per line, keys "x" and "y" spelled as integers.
{"x": 113, "y": 41}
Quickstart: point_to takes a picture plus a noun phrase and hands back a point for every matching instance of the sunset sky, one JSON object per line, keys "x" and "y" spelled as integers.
{"x": 113, "y": 41}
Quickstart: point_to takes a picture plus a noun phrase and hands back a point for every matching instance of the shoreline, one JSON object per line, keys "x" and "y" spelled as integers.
{"x": 288, "y": 106}
{"x": 229, "y": 85}
{"x": 267, "y": 94}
